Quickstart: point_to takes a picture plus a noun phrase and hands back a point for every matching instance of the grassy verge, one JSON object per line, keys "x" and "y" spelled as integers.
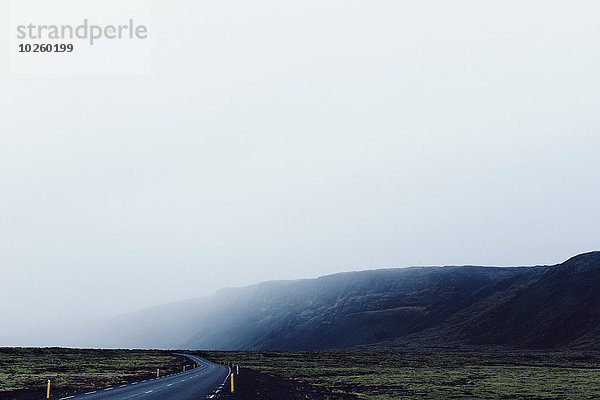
{"x": 25, "y": 371}
{"x": 372, "y": 375}
{"x": 434, "y": 375}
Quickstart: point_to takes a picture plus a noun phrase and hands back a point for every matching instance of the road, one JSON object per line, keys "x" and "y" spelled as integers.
{"x": 198, "y": 383}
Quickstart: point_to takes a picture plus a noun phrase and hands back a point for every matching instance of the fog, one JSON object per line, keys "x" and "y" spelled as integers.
{"x": 285, "y": 140}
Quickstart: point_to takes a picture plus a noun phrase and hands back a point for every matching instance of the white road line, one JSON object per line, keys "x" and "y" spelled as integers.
{"x": 109, "y": 388}
{"x": 149, "y": 391}
{"x": 122, "y": 385}
{"x": 134, "y": 383}
{"x": 91, "y": 392}
{"x": 65, "y": 398}
{"x": 169, "y": 384}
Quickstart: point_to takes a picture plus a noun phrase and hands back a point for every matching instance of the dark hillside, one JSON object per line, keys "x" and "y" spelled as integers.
{"x": 560, "y": 308}
{"x": 523, "y": 307}
{"x": 346, "y": 310}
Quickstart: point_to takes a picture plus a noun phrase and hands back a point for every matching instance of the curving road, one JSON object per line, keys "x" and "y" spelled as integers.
{"x": 199, "y": 383}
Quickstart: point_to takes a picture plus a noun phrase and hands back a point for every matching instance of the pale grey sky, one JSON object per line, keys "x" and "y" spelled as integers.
{"x": 280, "y": 140}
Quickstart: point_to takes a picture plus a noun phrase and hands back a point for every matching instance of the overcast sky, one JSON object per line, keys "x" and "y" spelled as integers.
{"x": 281, "y": 140}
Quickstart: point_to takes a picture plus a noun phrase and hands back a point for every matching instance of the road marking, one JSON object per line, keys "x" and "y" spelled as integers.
{"x": 122, "y": 385}
{"x": 91, "y": 392}
{"x": 182, "y": 380}
{"x": 65, "y": 398}
{"x": 169, "y": 384}
{"x": 109, "y": 388}
{"x": 149, "y": 391}
{"x": 134, "y": 383}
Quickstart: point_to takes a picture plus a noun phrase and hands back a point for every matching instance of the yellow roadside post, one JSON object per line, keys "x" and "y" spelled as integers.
{"x": 237, "y": 369}
{"x": 232, "y": 383}
{"x": 157, "y": 372}
{"x": 48, "y": 390}
{"x": 184, "y": 368}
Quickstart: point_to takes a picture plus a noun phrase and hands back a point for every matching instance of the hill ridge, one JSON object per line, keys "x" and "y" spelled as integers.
{"x": 532, "y": 307}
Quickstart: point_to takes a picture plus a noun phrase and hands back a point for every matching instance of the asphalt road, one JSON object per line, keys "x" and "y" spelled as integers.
{"x": 198, "y": 383}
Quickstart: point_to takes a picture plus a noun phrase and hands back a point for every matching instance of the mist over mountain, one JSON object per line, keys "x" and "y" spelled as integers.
{"x": 517, "y": 307}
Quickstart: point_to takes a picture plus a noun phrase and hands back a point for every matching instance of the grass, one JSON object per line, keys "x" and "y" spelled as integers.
{"x": 372, "y": 375}
{"x": 435, "y": 375}
{"x": 73, "y": 370}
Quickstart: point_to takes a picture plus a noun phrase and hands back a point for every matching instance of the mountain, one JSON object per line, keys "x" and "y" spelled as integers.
{"x": 560, "y": 308}
{"x": 517, "y": 307}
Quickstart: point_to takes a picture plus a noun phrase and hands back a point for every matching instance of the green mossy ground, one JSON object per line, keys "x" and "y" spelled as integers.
{"x": 72, "y": 370}
{"x": 435, "y": 375}
{"x": 372, "y": 375}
